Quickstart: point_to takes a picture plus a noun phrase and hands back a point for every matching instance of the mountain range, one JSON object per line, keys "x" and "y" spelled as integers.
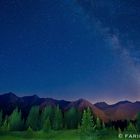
{"x": 120, "y": 111}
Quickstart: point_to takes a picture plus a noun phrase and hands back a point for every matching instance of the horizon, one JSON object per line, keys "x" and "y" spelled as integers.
{"x": 71, "y": 49}
{"x": 72, "y": 100}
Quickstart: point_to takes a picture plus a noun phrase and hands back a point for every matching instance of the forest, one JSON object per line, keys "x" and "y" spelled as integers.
{"x": 52, "y": 123}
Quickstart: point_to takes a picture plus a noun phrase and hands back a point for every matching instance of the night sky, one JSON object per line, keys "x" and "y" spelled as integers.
{"x": 70, "y": 49}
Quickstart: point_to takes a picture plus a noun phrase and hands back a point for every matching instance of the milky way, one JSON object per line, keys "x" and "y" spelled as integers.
{"x": 71, "y": 49}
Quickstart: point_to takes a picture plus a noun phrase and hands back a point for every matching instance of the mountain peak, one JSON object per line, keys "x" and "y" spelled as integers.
{"x": 102, "y": 105}
{"x": 9, "y": 94}
{"x": 122, "y": 102}
{"x": 81, "y": 104}
{"x": 11, "y": 97}
{"x": 35, "y": 96}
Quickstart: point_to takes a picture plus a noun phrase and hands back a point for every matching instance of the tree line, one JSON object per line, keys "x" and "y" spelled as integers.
{"x": 52, "y": 118}
{"x": 45, "y": 119}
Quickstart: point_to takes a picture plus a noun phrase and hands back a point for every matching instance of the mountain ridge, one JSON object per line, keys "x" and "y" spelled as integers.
{"x": 119, "y": 111}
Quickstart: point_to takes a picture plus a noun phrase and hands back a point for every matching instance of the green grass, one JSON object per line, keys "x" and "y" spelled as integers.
{"x": 60, "y": 135}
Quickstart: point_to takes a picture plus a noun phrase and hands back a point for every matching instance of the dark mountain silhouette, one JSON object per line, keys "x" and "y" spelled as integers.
{"x": 8, "y": 102}
{"x": 102, "y": 105}
{"x": 119, "y": 111}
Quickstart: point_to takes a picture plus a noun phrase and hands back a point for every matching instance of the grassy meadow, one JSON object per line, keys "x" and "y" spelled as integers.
{"x": 61, "y": 135}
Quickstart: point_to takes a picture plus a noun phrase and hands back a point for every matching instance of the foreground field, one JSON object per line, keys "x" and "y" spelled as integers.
{"x": 60, "y": 135}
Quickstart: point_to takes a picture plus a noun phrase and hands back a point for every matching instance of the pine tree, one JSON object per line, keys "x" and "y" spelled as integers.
{"x": 98, "y": 124}
{"x": 48, "y": 112}
{"x": 87, "y": 122}
{"x": 58, "y": 119}
{"x": 15, "y": 121}
{"x": 131, "y": 127}
{"x": 5, "y": 125}
{"x": 138, "y": 122}
{"x": 29, "y": 132}
{"x": 84, "y": 122}
{"x": 103, "y": 126}
{"x": 47, "y": 125}
{"x": 33, "y": 120}
{"x": 119, "y": 130}
{"x": 71, "y": 118}
{"x": 1, "y": 118}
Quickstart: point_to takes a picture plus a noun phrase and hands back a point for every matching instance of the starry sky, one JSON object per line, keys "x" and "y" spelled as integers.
{"x": 70, "y": 49}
